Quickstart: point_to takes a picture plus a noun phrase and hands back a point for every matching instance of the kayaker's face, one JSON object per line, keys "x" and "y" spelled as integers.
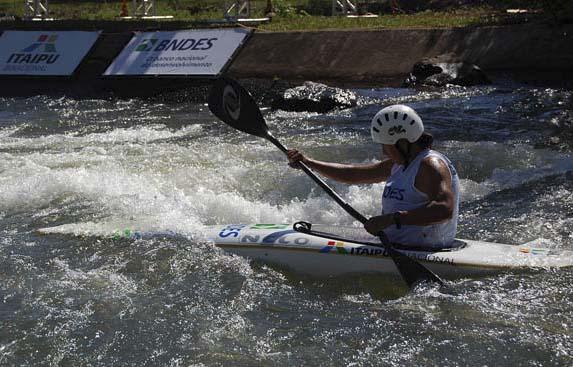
{"x": 392, "y": 152}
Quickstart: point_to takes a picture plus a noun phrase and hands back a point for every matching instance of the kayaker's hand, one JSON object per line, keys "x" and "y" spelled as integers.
{"x": 378, "y": 223}
{"x": 294, "y": 156}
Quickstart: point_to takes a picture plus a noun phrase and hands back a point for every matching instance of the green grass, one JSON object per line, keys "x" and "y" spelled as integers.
{"x": 289, "y": 20}
{"x": 418, "y": 20}
{"x": 99, "y": 10}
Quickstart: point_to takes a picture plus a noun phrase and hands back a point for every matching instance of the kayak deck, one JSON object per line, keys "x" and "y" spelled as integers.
{"x": 321, "y": 256}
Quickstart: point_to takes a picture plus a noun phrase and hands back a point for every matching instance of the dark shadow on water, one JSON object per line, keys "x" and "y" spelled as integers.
{"x": 379, "y": 287}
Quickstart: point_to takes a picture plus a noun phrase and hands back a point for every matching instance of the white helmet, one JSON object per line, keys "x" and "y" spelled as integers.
{"x": 396, "y": 122}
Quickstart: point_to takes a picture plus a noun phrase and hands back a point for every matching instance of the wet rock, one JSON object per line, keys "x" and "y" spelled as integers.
{"x": 562, "y": 137}
{"x": 442, "y": 70}
{"x": 314, "y": 97}
{"x": 564, "y": 122}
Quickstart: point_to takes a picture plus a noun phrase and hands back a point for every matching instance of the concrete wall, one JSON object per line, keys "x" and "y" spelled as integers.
{"x": 364, "y": 56}
{"x": 340, "y": 57}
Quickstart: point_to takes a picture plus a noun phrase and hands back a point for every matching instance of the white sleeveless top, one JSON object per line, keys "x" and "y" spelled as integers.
{"x": 400, "y": 193}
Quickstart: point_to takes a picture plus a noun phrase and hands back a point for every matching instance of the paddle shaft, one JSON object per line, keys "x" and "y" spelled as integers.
{"x": 350, "y": 210}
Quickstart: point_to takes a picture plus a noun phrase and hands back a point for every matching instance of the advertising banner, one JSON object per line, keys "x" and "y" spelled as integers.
{"x": 43, "y": 52}
{"x": 190, "y": 52}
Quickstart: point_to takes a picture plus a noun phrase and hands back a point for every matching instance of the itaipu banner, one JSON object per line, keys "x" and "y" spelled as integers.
{"x": 43, "y": 52}
{"x": 190, "y": 52}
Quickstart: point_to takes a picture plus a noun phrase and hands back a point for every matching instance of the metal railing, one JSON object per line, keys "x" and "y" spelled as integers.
{"x": 36, "y": 9}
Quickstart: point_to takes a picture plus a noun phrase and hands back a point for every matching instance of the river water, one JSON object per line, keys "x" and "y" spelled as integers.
{"x": 89, "y": 168}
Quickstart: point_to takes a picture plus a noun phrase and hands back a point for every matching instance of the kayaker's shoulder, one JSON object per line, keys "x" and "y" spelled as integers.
{"x": 432, "y": 165}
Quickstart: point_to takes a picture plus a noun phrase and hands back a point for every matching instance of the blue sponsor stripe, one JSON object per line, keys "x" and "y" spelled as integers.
{"x": 273, "y": 237}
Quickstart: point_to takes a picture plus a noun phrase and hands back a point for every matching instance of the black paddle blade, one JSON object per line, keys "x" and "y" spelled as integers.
{"x": 232, "y": 104}
{"x": 412, "y": 271}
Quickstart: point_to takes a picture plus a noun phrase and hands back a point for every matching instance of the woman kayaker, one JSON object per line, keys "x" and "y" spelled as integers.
{"x": 421, "y": 197}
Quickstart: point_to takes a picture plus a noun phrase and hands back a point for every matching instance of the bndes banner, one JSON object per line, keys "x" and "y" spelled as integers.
{"x": 43, "y": 52}
{"x": 189, "y": 52}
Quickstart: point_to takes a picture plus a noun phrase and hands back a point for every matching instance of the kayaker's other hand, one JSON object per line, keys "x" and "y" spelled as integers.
{"x": 378, "y": 223}
{"x": 294, "y": 156}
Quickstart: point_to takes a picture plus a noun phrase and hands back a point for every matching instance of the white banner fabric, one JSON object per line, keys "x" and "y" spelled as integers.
{"x": 190, "y": 52}
{"x": 43, "y": 52}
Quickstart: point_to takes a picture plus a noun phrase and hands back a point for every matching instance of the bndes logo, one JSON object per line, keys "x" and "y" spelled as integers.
{"x": 157, "y": 45}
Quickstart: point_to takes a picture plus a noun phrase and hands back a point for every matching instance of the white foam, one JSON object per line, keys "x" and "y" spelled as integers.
{"x": 498, "y": 166}
{"x": 69, "y": 141}
{"x": 127, "y": 182}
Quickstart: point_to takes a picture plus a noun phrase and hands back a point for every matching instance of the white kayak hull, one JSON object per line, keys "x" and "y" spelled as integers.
{"x": 321, "y": 256}
{"x": 318, "y": 256}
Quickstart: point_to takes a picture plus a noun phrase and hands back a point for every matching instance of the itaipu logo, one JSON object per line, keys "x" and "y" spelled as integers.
{"x": 186, "y": 44}
{"x": 43, "y": 51}
{"x": 48, "y": 43}
{"x": 332, "y": 245}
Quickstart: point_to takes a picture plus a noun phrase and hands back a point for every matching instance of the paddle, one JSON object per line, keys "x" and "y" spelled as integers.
{"x": 231, "y": 103}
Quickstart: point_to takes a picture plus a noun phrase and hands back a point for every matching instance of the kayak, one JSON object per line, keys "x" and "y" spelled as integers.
{"x": 322, "y": 254}
{"x": 321, "y": 251}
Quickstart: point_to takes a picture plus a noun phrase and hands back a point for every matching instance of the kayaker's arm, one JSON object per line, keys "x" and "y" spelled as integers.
{"x": 347, "y": 173}
{"x": 433, "y": 179}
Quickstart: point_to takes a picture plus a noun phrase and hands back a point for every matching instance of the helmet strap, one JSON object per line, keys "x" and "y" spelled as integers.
{"x": 405, "y": 154}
